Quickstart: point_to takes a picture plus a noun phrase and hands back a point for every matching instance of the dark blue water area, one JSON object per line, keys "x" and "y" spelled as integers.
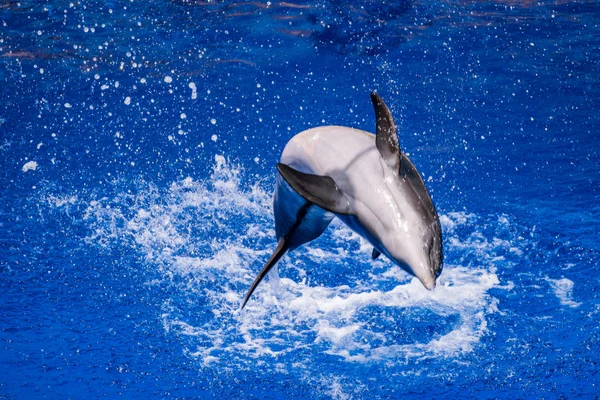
{"x": 138, "y": 144}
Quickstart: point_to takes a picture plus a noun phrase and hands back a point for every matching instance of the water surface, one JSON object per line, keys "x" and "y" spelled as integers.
{"x": 138, "y": 144}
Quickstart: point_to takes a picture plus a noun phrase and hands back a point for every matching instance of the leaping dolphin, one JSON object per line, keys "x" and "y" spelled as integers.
{"x": 367, "y": 182}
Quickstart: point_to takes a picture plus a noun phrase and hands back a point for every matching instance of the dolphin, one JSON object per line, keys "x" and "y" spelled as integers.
{"x": 367, "y": 182}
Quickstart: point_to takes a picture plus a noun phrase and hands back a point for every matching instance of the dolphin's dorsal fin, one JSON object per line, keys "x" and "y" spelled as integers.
{"x": 375, "y": 254}
{"x": 386, "y": 137}
{"x": 319, "y": 190}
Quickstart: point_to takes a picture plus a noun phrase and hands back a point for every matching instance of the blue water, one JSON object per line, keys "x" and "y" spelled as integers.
{"x": 138, "y": 143}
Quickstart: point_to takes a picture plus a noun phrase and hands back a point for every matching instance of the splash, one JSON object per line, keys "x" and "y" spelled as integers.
{"x": 208, "y": 238}
{"x": 563, "y": 289}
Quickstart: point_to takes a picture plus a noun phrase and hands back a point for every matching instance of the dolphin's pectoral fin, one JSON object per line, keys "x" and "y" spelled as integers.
{"x": 319, "y": 190}
{"x": 280, "y": 250}
{"x": 386, "y": 138}
{"x": 375, "y": 253}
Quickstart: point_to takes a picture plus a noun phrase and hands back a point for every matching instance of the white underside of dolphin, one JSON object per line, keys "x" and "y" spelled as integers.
{"x": 367, "y": 182}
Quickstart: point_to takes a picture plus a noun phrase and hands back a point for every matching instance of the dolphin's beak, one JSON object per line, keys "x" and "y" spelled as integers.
{"x": 428, "y": 282}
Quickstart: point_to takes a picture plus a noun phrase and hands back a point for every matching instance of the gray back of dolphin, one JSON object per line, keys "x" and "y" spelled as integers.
{"x": 367, "y": 182}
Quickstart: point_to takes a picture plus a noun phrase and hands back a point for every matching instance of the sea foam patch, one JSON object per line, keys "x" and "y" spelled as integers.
{"x": 209, "y": 238}
{"x": 563, "y": 289}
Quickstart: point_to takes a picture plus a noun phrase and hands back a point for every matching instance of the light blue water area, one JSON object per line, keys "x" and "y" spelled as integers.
{"x": 138, "y": 144}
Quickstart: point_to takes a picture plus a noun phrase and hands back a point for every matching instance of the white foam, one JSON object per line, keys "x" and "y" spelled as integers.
{"x": 563, "y": 289}
{"x": 334, "y": 388}
{"x": 30, "y": 166}
{"x": 215, "y": 234}
{"x": 192, "y": 86}
{"x": 453, "y": 219}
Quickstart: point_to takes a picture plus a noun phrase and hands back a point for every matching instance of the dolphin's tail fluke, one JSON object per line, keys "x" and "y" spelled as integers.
{"x": 282, "y": 247}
